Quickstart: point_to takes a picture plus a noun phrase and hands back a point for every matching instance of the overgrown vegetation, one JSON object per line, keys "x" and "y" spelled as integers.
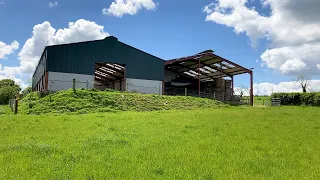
{"x": 8, "y": 90}
{"x": 222, "y": 143}
{"x": 25, "y": 92}
{"x": 5, "y": 110}
{"x": 88, "y": 101}
{"x": 297, "y": 99}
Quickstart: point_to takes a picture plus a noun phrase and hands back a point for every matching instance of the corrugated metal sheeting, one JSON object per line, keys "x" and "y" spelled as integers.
{"x": 40, "y": 70}
{"x": 80, "y": 58}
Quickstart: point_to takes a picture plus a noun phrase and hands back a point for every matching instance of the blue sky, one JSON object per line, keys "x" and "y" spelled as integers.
{"x": 172, "y": 29}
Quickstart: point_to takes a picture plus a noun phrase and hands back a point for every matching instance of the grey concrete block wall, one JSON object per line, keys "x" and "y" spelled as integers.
{"x": 62, "y": 81}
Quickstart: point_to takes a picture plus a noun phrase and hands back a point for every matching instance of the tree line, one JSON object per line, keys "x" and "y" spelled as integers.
{"x": 9, "y": 90}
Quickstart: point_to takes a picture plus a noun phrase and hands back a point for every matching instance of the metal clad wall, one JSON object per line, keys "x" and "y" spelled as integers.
{"x": 141, "y": 65}
{"x": 40, "y": 70}
{"x": 80, "y": 58}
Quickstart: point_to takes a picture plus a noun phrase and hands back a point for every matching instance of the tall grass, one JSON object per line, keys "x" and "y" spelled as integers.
{"x": 225, "y": 143}
{"x": 88, "y": 101}
{"x": 5, "y": 110}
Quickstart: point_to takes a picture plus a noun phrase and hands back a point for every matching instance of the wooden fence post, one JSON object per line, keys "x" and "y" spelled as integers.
{"x": 15, "y": 106}
{"x": 74, "y": 84}
{"x": 185, "y": 91}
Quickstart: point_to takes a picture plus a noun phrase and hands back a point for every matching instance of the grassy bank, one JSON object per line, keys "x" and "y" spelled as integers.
{"x": 225, "y": 143}
{"x": 5, "y": 110}
{"x": 89, "y": 101}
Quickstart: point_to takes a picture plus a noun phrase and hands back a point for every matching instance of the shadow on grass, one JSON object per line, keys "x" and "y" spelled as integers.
{"x": 236, "y": 104}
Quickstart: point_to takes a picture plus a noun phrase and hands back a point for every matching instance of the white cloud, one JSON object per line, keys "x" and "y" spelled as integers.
{"x": 11, "y": 76}
{"x": 269, "y": 88}
{"x": 293, "y": 28}
{"x": 245, "y": 90}
{"x": 53, "y": 4}
{"x": 6, "y": 49}
{"x": 42, "y": 34}
{"x": 307, "y": 54}
{"x": 2, "y": 3}
{"x": 131, "y": 7}
{"x": 209, "y": 8}
{"x": 22, "y": 84}
{"x": 318, "y": 66}
{"x": 81, "y": 30}
{"x": 293, "y": 65}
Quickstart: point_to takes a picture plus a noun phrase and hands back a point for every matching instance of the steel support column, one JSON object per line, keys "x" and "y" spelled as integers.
{"x": 162, "y": 87}
{"x": 251, "y": 88}
{"x": 199, "y": 77}
{"x": 232, "y": 85}
{"x": 221, "y": 78}
{"x": 125, "y": 78}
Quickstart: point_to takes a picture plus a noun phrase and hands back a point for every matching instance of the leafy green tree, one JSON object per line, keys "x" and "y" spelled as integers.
{"x": 26, "y": 91}
{"x": 6, "y": 82}
{"x": 8, "y": 89}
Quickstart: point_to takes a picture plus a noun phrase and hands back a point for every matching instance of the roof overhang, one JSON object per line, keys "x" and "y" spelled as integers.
{"x": 206, "y": 64}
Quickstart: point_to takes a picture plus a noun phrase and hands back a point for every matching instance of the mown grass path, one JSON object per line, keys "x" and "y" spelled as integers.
{"x": 226, "y": 143}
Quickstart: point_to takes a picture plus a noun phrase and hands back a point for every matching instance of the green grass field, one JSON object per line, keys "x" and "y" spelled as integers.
{"x": 221, "y": 143}
{"x": 261, "y": 100}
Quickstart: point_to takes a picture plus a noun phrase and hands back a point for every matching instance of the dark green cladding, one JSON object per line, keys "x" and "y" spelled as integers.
{"x": 80, "y": 58}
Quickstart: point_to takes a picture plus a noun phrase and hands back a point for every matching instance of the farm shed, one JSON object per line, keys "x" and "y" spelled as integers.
{"x": 109, "y": 63}
{"x": 101, "y": 64}
{"x": 205, "y": 75}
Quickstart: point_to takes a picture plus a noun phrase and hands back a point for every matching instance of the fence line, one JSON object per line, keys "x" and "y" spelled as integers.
{"x": 13, "y": 103}
{"x": 225, "y": 97}
{"x": 73, "y": 84}
{"x": 124, "y": 86}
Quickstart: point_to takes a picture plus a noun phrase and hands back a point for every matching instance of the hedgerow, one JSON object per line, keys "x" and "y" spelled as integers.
{"x": 297, "y": 99}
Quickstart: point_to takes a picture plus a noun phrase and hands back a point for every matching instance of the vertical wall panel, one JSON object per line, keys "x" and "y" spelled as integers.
{"x": 40, "y": 70}
{"x": 80, "y": 58}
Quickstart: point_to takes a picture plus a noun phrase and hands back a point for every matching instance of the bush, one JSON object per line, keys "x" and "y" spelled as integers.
{"x": 26, "y": 91}
{"x": 8, "y": 90}
{"x": 42, "y": 94}
{"x": 110, "y": 90}
{"x": 7, "y": 93}
{"x": 298, "y": 99}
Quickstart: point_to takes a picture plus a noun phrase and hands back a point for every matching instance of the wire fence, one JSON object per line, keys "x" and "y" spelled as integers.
{"x": 13, "y": 103}
{"x": 224, "y": 97}
{"x": 144, "y": 89}
{"x": 57, "y": 85}
{"x": 181, "y": 91}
